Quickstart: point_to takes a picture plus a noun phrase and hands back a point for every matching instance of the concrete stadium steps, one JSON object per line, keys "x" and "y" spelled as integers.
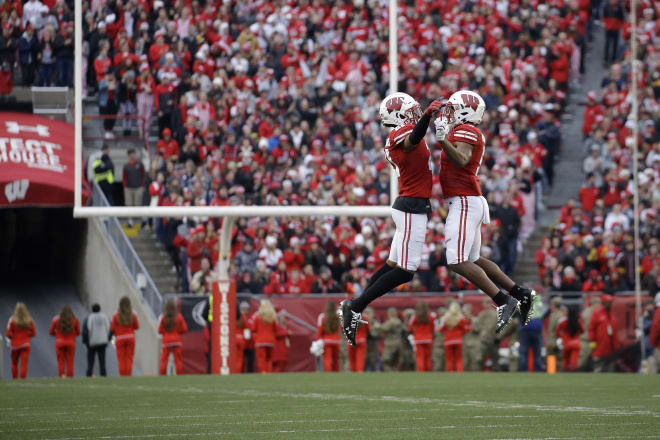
{"x": 44, "y": 301}
{"x": 156, "y": 260}
{"x": 526, "y": 270}
{"x": 569, "y": 176}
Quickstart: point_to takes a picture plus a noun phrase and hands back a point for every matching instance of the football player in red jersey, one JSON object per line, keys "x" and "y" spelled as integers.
{"x": 463, "y": 146}
{"x": 407, "y": 152}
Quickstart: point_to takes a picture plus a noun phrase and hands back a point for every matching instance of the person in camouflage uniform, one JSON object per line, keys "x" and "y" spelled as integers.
{"x": 485, "y": 327}
{"x": 371, "y": 362}
{"x": 584, "y": 363}
{"x": 438, "y": 350}
{"x": 392, "y": 330}
{"x": 407, "y": 350}
{"x": 512, "y": 333}
{"x": 556, "y": 314}
{"x": 471, "y": 344}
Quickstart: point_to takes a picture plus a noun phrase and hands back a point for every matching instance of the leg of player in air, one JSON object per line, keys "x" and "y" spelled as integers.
{"x": 409, "y": 156}
{"x": 463, "y": 146}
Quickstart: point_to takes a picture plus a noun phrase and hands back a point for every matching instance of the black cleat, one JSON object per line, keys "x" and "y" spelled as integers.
{"x": 349, "y": 320}
{"x": 505, "y": 313}
{"x": 526, "y": 304}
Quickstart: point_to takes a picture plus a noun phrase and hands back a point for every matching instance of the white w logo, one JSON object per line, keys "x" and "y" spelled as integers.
{"x": 16, "y": 190}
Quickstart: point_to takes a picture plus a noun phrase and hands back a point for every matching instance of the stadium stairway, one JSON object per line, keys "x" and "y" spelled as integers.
{"x": 155, "y": 259}
{"x": 44, "y": 301}
{"x": 569, "y": 176}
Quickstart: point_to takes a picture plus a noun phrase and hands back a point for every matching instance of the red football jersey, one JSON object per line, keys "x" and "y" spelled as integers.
{"x": 463, "y": 181}
{"x": 412, "y": 168}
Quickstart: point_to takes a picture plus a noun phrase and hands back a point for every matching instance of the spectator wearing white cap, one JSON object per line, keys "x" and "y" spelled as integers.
{"x": 271, "y": 254}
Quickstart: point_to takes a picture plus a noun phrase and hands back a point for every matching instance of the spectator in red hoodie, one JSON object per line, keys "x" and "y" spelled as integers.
{"x": 603, "y": 339}
{"x": 65, "y": 328}
{"x": 454, "y": 326}
{"x": 123, "y": 326}
{"x": 167, "y": 146}
{"x": 171, "y": 325}
{"x": 594, "y": 283}
{"x": 421, "y": 329}
{"x": 19, "y": 331}
{"x": 569, "y": 330}
{"x": 328, "y": 332}
{"x": 264, "y": 328}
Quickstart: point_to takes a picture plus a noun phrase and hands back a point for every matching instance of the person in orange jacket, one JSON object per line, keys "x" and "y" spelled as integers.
{"x": 264, "y": 328}
{"x": 421, "y": 330}
{"x": 171, "y": 325}
{"x": 123, "y": 326}
{"x": 65, "y": 328}
{"x": 282, "y": 344}
{"x": 603, "y": 339}
{"x": 569, "y": 330}
{"x": 357, "y": 354}
{"x": 454, "y": 326}
{"x": 328, "y": 332}
{"x": 20, "y": 329}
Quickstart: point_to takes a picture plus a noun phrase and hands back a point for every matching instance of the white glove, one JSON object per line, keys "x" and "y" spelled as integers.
{"x": 442, "y": 128}
{"x": 411, "y": 339}
{"x": 560, "y": 343}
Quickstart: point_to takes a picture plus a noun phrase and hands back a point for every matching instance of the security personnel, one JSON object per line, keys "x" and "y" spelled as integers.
{"x": 104, "y": 173}
{"x": 371, "y": 363}
{"x": 485, "y": 325}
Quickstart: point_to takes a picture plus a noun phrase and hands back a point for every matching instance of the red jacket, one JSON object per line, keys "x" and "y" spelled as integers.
{"x": 61, "y": 338}
{"x": 293, "y": 260}
{"x": 361, "y": 335}
{"x": 246, "y": 323}
{"x": 654, "y": 339}
{"x": 194, "y": 252}
{"x": 588, "y": 197}
{"x": 20, "y": 337}
{"x": 168, "y": 149}
{"x": 566, "y": 338}
{"x": 264, "y": 333}
{"x": 602, "y": 331}
{"x": 123, "y": 331}
{"x": 454, "y": 335}
{"x": 328, "y": 338}
{"x": 280, "y": 350}
{"x": 422, "y": 331}
{"x": 173, "y": 337}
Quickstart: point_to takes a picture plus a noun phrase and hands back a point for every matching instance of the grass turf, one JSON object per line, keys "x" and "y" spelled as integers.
{"x": 314, "y": 406}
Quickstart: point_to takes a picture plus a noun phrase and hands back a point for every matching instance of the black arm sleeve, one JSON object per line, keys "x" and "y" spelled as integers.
{"x": 420, "y": 129}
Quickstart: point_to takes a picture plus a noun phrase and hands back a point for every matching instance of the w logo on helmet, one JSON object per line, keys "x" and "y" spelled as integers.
{"x": 394, "y": 104}
{"x": 470, "y": 101}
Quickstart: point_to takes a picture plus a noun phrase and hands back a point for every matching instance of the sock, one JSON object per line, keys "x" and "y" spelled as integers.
{"x": 500, "y": 299}
{"x": 379, "y": 273}
{"x": 380, "y": 287}
{"x": 516, "y": 292}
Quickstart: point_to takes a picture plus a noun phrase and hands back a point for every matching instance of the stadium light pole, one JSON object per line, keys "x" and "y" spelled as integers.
{"x": 394, "y": 82}
{"x": 635, "y": 146}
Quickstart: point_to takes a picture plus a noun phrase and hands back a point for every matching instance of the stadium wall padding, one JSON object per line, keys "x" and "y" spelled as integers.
{"x": 104, "y": 280}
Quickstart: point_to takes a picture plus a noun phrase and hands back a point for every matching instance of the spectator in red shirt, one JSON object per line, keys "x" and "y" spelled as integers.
{"x": 264, "y": 328}
{"x": 594, "y": 283}
{"x": 196, "y": 249}
{"x": 171, "y": 325}
{"x": 589, "y": 193}
{"x": 328, "y": 332}
{"x": 603, "y": 339}
{"x": 454, "y": 326}
{"x": 282, "y": 344}
{"x": 569, "y": 330}
{"x": 65, "y": 328}
{"x": 293, "y": 255}
{"x": 421, "y": 330}
{"x": 123, "y": 326}
{"x": 613, "y": 18}
{"x": 167, "y": 146}
{"x": 19, "y": 331}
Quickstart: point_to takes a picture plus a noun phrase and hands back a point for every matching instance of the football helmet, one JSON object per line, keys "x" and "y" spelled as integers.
{"x": 398, "y": 109}
{"x": 465, "y": 106}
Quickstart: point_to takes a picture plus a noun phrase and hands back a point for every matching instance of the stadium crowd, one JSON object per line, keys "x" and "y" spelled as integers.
{"x": 275, "y": 103}
{"x": 591, "y": 248}
{"x": 36, "y": 43}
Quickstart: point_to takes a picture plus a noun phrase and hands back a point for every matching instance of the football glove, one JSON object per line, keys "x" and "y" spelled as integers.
{"x": 442, "y": 129}
{"x": 434, "y": 107}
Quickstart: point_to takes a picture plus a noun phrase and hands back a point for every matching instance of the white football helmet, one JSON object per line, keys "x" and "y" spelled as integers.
{"x": 465, "y": 106}
{"x": 398, "y": 109}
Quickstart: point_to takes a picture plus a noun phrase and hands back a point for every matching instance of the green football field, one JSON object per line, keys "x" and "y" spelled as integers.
{"x": 319, "y": 406}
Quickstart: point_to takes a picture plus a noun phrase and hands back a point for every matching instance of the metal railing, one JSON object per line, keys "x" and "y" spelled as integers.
{"x": 139, "y": 275}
